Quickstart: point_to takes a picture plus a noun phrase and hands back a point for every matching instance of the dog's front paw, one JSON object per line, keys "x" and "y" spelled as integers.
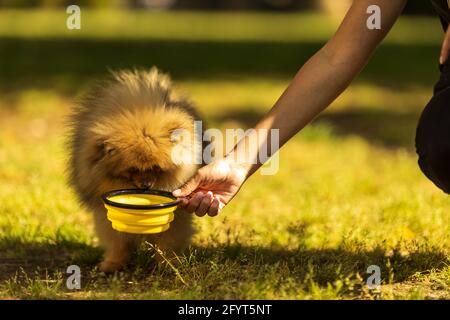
{"x": 108, "y": 266}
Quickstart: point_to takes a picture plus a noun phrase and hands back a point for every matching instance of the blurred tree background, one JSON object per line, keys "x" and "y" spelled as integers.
{"x": 332, "y": 6}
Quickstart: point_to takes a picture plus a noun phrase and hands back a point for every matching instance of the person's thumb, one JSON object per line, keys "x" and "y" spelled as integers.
{"x": 188, "y": 187}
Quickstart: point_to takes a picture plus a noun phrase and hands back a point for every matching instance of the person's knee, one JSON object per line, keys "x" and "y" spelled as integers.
{"x": 433, "y": 140}
{"x": 436, "y": 166}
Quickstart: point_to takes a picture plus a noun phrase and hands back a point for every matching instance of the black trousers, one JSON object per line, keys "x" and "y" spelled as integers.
{"x": 433, "y": 134}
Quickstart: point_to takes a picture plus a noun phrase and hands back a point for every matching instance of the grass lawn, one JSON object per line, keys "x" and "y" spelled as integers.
{"x": 348, "y": 194}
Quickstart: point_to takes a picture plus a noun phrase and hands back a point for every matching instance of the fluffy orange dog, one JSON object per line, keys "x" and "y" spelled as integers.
{"x": 122, "y": 137}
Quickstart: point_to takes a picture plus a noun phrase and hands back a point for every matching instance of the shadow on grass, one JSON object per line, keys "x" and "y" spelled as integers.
{"x": 392, "y": 129}
{"x": 17, "y": 255}
{"x": 382, "y": 127}
{"x": 328, "y": 264}
{"x": 246, "y": 117}
{"x": 235, "y": 261}
{"x": 67, "y": 64}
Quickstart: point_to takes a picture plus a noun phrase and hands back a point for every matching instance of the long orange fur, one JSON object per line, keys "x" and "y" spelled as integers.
{"x": 121, "y": 137}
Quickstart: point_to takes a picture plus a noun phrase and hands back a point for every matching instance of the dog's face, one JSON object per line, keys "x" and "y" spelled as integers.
{"x": 136, "y": 150}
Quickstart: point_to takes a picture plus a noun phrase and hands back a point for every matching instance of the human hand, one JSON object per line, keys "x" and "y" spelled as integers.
{"x": 211, "y": 188}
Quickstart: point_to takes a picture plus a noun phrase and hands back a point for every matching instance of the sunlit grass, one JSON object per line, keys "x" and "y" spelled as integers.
{"x": 348, "y": 193}
{"x": 244, "y": 26}
{"x": 337, "y": 202}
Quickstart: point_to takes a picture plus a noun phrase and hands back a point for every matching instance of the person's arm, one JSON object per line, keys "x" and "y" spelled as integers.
{"x": 445, "y": 49}
{"x": 316, "y": 85}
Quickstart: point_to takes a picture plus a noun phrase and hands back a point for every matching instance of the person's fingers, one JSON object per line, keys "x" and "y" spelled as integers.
{"x": 183, "y": 202}
{"x": 214, "y": 208}
{"x": 445, "y": 48}
{"x": 194, "y": 202}
{"x": 204, "y": 205}
{"x": 188, "y": 187}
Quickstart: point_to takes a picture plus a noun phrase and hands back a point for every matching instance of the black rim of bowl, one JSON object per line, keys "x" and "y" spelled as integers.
{"x": 113, "y": 193}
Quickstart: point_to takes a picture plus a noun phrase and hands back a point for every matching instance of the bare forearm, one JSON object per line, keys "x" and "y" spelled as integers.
{"x": 314, "y": 87}
{"x": 320, "y": 81}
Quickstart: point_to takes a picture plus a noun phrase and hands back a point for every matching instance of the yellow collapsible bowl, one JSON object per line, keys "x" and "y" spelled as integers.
{"x": 140, "y": 211}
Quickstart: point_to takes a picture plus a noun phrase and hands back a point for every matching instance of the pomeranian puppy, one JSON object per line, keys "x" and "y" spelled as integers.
{"x": 122, "y": 136}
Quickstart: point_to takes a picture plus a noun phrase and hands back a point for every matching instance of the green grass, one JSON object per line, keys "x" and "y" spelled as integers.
{"x": 349, "y": 193}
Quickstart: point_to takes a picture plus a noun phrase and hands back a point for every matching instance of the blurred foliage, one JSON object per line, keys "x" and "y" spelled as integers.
{"x": 61, "y": 3}
{"x": 412, "y": 7}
